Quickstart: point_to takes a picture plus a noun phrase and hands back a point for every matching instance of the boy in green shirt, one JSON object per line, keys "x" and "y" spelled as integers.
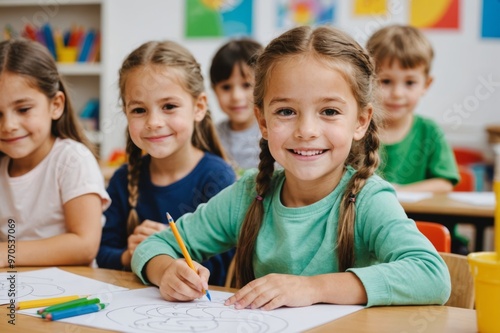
{"x": 415, "y": 154}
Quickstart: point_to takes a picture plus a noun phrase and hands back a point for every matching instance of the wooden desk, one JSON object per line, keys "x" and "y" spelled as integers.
{"x": 440, "y": 208}
{"x": 381, "y": 319}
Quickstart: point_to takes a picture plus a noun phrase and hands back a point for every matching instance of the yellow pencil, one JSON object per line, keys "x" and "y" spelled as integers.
{"x": 36, "y": 303}
{"x": 183, "y": 249}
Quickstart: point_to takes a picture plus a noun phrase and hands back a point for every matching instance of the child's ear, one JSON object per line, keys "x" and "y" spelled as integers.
{"x": 364, "y": 119}
{"x": 200, "y": 107}
{"x": 57, "y": 104}
{"x": 428, "y": 82}
{"x": 261, "y": 120}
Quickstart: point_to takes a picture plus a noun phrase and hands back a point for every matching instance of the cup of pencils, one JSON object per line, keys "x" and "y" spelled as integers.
{"x": 67, "y": 54}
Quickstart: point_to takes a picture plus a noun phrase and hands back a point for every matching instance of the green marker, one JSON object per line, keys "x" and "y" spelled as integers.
{"x": 68, "y": 305}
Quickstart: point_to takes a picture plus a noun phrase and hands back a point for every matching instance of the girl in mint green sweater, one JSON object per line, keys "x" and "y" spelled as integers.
{"x": 324, "y": 229}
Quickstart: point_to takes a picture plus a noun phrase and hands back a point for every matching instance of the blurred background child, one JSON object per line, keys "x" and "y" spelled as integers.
{"x": 232, "y": 80}
{"x": 414, "y": 151}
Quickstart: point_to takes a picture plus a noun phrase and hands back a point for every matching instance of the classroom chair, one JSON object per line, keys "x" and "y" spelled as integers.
{"x": 230, "y": 281}
{"x": 467, "y": 181}
{"x": 462, "y": 282}
{"x": 466, "y": 156}
{"x": 437, "y": 233}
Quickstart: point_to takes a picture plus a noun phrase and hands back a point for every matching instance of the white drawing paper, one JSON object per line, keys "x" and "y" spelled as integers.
{"x": 48, "y": 283}
{"x": 144, "y": 310}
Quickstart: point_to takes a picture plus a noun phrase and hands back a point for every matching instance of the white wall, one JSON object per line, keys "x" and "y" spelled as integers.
{"x": 460, "y": 100}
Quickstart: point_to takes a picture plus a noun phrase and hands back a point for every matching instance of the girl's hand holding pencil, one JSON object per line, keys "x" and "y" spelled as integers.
{"x": 181, "y": 279}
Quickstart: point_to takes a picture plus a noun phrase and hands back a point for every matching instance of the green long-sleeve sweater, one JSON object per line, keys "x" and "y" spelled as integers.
{"x": 394, "y": 261}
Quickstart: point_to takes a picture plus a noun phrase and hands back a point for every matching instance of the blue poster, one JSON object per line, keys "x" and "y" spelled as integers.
{"x": 491, "y": 17}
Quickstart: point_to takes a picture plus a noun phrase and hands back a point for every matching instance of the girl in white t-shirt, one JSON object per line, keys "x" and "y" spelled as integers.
{"x": 52, "y": 193}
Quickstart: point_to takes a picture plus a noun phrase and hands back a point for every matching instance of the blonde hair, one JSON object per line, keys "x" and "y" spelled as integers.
{"x": 33, "y": 61}
{"x": 402, "y": 43}
{"x": 173, "y": 55}
{"x": 339, "y": 49}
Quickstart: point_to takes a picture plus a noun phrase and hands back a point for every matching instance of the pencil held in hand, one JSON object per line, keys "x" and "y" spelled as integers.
{"x": 183, "y": 248}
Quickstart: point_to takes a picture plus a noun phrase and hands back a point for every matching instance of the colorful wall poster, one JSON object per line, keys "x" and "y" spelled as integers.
{"x": 435, "y": 14}
{"x": 490, "y": 22}
{"x": 292, "y": 13}
{"x": 370, "y": 7}
{"x": 218, "y": 18}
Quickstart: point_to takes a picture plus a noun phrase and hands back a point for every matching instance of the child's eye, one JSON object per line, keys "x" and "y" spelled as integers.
{"x": 410, "y": 83}
{"x": 285, "y": 112}
{"x": 330, "y": 112}
{"x": 225, "y": 87}
{"x": 138, "y": 110}
{"x": 23, "y": 109}
{"x": 169, "y": 106}
{"x": 385, "y": 81}
{"x": 247, "y": 85}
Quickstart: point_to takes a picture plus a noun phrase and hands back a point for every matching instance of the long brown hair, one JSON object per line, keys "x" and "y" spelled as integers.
{"x": 341, "y": 50}
{"x": 173, "y": 55}
{"x": 33, "y": 61}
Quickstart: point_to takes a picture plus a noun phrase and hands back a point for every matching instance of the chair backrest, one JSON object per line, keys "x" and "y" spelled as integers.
{"x": 230, "y": 281}
{"x": 465, "y": 156}
{"x": 467, "y": 181}
{"x": 437, "y": 233}
{"x": 462, "y": 282}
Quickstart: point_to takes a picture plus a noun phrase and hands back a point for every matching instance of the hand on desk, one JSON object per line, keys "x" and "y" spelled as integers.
{"x": 141, "y": 232}
{"x": 273, "y": 291}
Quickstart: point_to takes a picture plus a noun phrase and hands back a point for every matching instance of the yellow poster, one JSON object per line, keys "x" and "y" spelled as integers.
{"x": 370, "y": 7}
{"x": 435, "y": 13}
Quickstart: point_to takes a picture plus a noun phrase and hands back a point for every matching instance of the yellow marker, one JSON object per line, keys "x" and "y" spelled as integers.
{"x": 36, "y": 303}
{"x": 183, "y": 249}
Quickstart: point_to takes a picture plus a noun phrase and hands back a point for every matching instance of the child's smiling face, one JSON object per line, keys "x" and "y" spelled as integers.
{"x": 311, "y": 118}
{"x": 160, "y": 112}
{"x": 26, "y": 116}
{"x": 401, "y": 88}
{"x": 235, "y": 96}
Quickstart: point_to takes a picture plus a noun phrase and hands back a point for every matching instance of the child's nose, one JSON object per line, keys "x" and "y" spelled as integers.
{"x": 238, "y": 93}
{"x": 154, "y": 120}
{"x": 397, "y": 90}
{"x": 9, "y": 123}
{"x": 307, "y": 127}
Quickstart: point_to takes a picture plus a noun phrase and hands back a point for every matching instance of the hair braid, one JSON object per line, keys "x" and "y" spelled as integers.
{"x": 345, "y": 232}
{"x": 253, "y": 219}
{"x": 134, "y": 167}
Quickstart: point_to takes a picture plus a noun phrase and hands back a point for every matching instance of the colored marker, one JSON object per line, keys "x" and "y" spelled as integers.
{"x": 36, "y": 303}
{"x": 68, "y": 305}
{"x": 184, "y": 250}
{"x": 76, "y": 311}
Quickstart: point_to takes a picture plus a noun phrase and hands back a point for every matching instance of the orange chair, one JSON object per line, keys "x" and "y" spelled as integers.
{"x": 466, "y": 156}
{"x": 467, "y": 181}
{"x": 437, "y": 233}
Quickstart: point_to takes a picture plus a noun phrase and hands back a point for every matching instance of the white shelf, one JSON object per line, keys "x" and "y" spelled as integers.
{"x": 13, "y": 3}
{"x": 79, "y": 68}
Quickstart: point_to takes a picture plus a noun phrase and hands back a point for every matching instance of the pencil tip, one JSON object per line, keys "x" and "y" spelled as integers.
{"x": 208, "y": 295}
{"x": 169, "y": 218}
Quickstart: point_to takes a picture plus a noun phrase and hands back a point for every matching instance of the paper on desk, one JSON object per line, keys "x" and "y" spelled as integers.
{"x": 474, "y": 198}
{"x": 48, "y": 283}
{"x": 143, "y": 310}
{"x": 413, "y": 196}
